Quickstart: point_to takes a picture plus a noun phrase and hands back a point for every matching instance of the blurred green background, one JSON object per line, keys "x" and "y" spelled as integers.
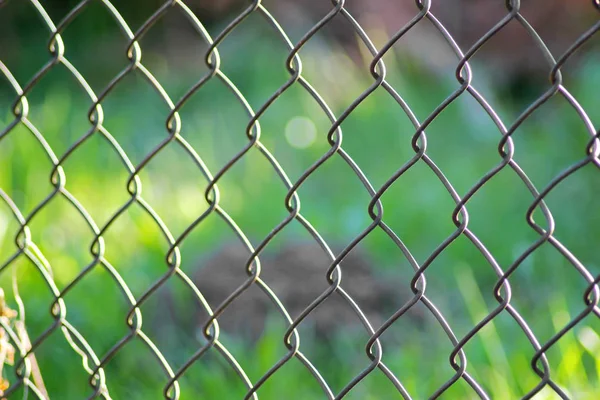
{"x": 547, "y": 290}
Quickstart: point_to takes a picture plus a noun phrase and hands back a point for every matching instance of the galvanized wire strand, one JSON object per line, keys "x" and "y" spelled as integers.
{"x": 539, "y": 198}
{"x": 334, "y": 281}
{"x": 546, "y": 233}
{"x": 23, "y": 240}
{"x": 419, "y": 294}
{"x": 466, "y": 232}
{"x": 292, "y": 203}
{"x": 173, "y": 126}
{"x": 254, "y": 137}
{"x": 591, "y": 305}
{"x": 463, "y": 202}
{"x": 539, "y": 352}
{"x": 425, "y": 6}
{"x": 209, "y": 189}
{"x": 55, "y": 47}
{"x": 95, "y": 119}
{"x": 463, "y": 226}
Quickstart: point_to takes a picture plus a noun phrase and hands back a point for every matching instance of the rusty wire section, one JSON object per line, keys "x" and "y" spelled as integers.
{"x": 94, "y": 363}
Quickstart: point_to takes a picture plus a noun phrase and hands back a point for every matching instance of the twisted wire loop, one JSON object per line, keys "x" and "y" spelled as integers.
{"x": 94, "y": 364}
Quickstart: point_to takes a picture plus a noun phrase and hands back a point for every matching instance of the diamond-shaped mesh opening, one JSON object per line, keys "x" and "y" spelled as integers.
{"x": 93, "y": 17}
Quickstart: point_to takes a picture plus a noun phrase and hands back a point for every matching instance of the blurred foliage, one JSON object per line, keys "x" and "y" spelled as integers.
{"x": 462, "y": 141}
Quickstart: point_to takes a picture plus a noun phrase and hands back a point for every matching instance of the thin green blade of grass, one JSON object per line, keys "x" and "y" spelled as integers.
{"x": 571, "y": 368}
{"x": 501, "y": 379}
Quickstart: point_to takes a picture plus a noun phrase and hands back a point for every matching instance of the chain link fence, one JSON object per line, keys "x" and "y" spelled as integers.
{"x": 21, "y": 354}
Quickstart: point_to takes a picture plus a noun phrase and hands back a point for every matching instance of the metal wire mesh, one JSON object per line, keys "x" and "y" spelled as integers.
{"x": 95, "y": 362}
